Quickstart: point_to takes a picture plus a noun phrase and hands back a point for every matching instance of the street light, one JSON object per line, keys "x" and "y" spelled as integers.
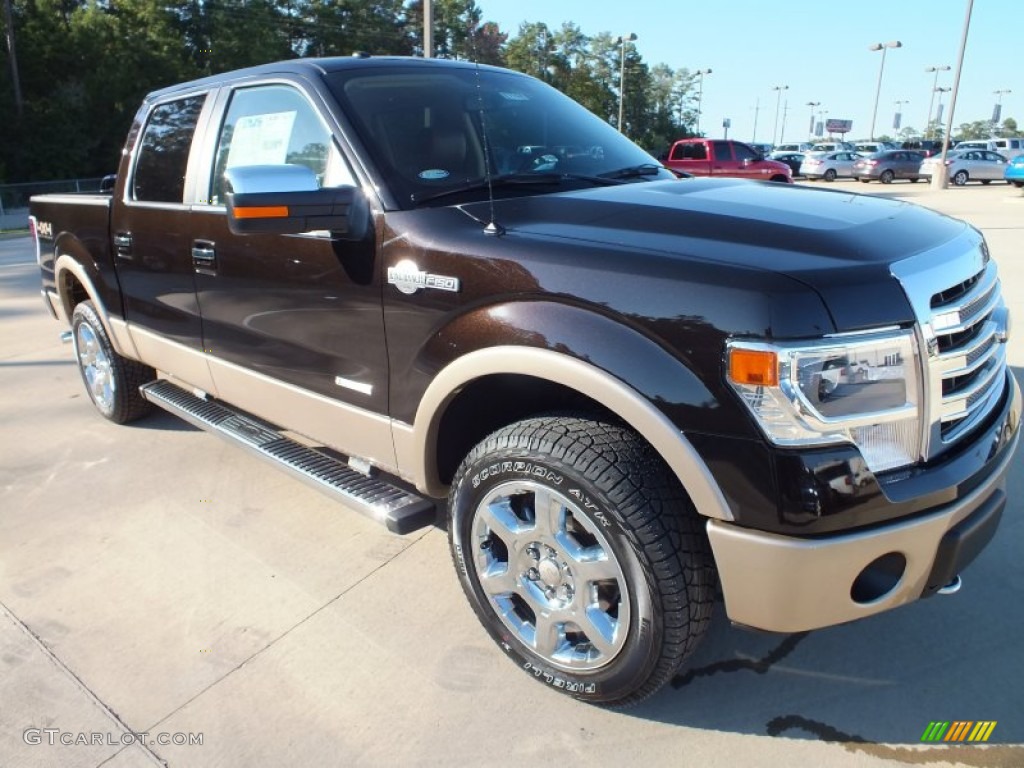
{"x": 778, "y": 101}
{"x": 622, "y": 40}
{"x": 810, "y": 129}
{"x": 935, "y": 82}
{"x": 883, "y": 47}
{"x": 700, "y": 92}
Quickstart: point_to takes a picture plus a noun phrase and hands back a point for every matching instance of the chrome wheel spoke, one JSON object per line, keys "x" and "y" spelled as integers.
{"x": 499, "y": 579}
{"x": 592, "y": 565}
{"x": 499, "y": 517}
{"x": 600, "y": 629}
{"x": 548, "y": 636}
{"x": 549, "y": 513}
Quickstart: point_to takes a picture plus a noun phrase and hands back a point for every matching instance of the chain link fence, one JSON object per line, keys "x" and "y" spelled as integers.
{"x": 14, "y": 198}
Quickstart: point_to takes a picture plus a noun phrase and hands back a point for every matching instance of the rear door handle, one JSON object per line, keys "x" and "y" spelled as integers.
{"x": 123, "y": 245}
{"x": 204, "y": 257}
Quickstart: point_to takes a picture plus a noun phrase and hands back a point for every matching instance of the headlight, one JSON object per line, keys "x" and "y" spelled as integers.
{"x": 860, "y": 389}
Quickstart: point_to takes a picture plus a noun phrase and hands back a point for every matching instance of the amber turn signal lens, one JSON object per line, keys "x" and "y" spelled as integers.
{"x": 262, "y": 212}
{"x": 756, "y": 367}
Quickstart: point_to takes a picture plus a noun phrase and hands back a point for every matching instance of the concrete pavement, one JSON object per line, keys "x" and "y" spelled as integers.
{"x": 154, "y": 579}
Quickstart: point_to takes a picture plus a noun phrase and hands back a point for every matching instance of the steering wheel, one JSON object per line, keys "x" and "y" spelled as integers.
{"x": 536, "y": 159}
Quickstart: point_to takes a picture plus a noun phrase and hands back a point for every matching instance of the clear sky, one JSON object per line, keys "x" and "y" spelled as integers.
{"x": 819, "y": 48}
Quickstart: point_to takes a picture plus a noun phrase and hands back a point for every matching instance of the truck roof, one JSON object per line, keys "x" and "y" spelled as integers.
{"x": 312, "y": 67}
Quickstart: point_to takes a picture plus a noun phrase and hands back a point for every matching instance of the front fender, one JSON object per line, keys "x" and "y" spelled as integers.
{"x": 613, "y": 364}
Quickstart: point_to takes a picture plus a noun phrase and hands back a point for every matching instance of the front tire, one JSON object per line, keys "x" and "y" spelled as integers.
{"x": 582, "y": 556}
{"x": 960, "y": 178}
{"x": 112, "y": 381}
{"x": 830, "y": 174}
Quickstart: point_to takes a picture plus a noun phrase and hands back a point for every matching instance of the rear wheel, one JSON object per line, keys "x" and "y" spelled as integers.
{"x": 960, "y": 178}
{"x": 863, "y": 181}
{"x": 830, "y": 174}
{"x": 986, "y": 181}
{"x": 915, "y": 180}
{"x": 887, "y": 177}
{"x": 1018, "y": 184}
{"x": 112, "y": 381}
{"x": 582, "y": 556}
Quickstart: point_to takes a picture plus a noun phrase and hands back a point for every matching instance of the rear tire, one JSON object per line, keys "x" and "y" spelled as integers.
{"x": 864, "y": 181}
{"x": 915, "y": 180}
{"x": 960, "y": 178}
{"x": 986, "y": 182}
{"x": 1017, "y": 184}
{"x": 112, "y": 381}
{"x": 582, "y": 556}
{"x": 887, "y": 177}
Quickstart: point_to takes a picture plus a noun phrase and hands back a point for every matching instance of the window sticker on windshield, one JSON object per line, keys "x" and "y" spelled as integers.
{"x": 514, "y": 96}
{"x": 433, "y": 174}
{"x": 261, "y": 139}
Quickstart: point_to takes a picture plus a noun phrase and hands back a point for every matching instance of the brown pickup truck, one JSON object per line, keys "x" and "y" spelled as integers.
{"x": 425, "y": 285}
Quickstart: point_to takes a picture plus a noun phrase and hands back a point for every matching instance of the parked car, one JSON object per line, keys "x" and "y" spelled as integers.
{"x": 834, "y": 146}
{"x": 1014, "y": 172}
{"x": 928, "y": 147}
{"x": 792, "y": 159}
{"x": 873, "y": 147}
{"x": 764, "y": 149}
{"x": 725, "y": 158}
{"x": 887, "y": 166}
{"x": 829, "y": 165}
{"x": 972, "y": 165}
{"x": 1007, "y": 147}
{"x": 802, "y": 148}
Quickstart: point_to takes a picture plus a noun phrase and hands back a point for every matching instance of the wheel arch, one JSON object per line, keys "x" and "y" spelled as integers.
{"x": 582, "y": 383}
{"x": 75, "y": 284}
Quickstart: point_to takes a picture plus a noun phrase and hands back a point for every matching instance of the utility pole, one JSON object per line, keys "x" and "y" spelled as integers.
{"x": 757, "y": 110}
{"x": 15, "y": 79}
{"x": 428, "y": 29}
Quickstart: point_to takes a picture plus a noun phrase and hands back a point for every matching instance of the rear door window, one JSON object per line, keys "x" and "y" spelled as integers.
{"x": 164, "y": 149}
{"x": 722, "y": 150}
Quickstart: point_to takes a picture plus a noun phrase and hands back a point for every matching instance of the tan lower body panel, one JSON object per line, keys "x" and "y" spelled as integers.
{"x": 786, "y": 584}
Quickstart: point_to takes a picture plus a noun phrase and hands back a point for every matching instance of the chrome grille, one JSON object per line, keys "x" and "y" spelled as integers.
{"x": 956, "y": 296}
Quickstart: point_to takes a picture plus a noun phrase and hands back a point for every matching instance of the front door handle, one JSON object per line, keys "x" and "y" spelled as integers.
{"x": 204, "y": 257}
{"x": 123, "y": 245}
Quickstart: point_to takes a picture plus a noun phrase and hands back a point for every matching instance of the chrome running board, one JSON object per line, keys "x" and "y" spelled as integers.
{"x": 400, "y": 510}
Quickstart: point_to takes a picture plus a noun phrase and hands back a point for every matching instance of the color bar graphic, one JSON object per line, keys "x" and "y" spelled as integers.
{"x": 959, "y": 730}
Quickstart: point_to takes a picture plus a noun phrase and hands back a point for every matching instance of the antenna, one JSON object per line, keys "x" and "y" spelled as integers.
{"x": 493, "y": 227}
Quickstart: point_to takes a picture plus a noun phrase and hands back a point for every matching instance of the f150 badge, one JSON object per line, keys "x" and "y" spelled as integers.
{"x": 408, "y": 278}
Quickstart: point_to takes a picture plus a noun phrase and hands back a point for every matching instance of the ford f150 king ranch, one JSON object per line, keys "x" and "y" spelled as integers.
{"x": 408, "y": 280}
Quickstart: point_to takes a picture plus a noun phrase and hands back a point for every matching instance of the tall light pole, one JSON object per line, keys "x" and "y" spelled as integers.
{"x": 931, "y": 102}
{"x": 810, "y": 128}
{"x": 778, "y": 101}
{"x": 700, "y": 92}
{"x": 757, "y": 111}
{"x": 428, "y": 29}
{"x": 883, "y": 47}
{"x": 940, "y": 180}
{"x": 622, "y": 40}
{"x": 998, "y": 111}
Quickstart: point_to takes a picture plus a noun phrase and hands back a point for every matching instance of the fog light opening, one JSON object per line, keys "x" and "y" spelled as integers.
{"x": 879, "y": 578}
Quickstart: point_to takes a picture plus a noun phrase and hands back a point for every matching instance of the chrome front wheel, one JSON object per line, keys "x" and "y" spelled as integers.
{"x": 550, "y": 575}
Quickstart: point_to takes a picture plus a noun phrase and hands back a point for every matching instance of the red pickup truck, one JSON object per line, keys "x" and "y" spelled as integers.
{"x": 720, "y": 157}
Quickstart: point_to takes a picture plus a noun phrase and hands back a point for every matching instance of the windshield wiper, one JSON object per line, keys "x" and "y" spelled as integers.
{"x": 633, "y": 171}
{"x": 519, "y": 179}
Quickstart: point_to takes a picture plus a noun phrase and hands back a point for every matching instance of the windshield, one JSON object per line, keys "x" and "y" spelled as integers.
{"x": 424, "y": 127}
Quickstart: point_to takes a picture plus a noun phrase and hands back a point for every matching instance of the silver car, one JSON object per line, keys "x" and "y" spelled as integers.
{"x": 968, "y": 165}
{"x": 828, "y": 165}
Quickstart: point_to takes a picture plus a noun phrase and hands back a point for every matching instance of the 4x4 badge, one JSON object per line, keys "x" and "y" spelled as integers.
{"x": 408, "y": 278}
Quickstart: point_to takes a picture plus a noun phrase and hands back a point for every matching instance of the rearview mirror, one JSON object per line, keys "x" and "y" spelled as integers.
{"x": 287, "y": 200}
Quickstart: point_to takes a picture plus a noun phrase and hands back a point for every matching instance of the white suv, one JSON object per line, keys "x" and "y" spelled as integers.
{"x": 1008, "y": 148}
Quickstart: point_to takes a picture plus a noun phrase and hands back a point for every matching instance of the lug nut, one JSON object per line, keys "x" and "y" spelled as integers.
{"x": 532, "y": 553}
{"x": 533, "y": 574}
{"x": 566, "y": 592}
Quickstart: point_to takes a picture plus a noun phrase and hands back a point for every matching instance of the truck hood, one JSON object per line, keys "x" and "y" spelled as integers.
{"x": 840, "y": 244}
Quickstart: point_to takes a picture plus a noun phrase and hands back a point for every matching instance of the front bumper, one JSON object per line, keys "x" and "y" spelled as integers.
{"x": 792, "y": 584}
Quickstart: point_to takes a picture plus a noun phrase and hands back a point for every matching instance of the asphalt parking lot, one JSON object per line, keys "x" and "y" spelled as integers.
{"x": 156, "y": 580}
